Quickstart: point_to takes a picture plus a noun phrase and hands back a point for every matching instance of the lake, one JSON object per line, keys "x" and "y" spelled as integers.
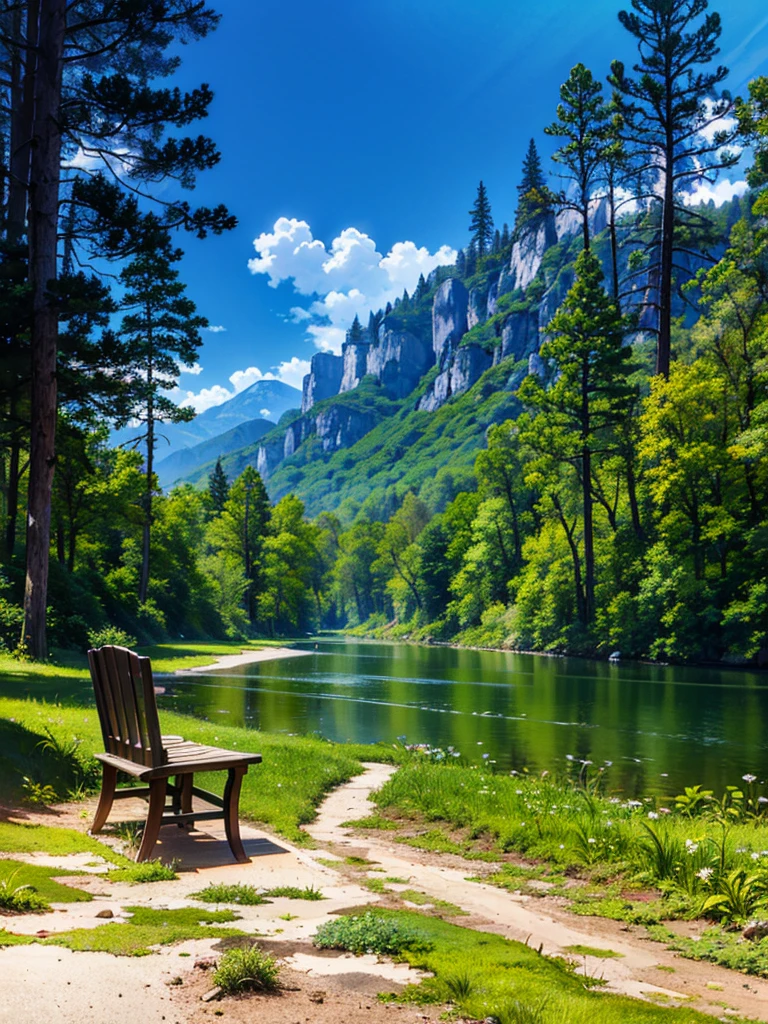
{"x": 660, "y": 727}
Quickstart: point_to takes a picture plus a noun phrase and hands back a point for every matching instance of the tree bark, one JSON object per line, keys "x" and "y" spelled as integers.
{"x": 147, "y": 527}
{"x": 667, "y": 255}
{"x": 42, "y": 234}
{"x": 22, "y": 118}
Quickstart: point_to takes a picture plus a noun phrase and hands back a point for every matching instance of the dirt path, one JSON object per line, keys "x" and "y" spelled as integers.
{"x": 245, "y": 658}
{"x": 645, "y": 968}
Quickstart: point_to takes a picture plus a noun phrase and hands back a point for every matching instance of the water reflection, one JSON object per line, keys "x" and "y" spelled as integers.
{"x": 695, "y": 725}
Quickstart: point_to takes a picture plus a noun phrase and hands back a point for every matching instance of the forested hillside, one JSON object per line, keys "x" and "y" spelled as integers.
{"x": 558, "y": 443}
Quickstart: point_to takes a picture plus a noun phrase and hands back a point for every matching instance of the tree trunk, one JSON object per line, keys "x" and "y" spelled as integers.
{"x": 667, "y": 253}
{"x": 614, "y": 247}
{"x": 22, "y": 118}
{"x": 12, "y": 498}
{"x": 589, "y": 549}
{"x": 147, "y": 528}
{"x": 42, "y": 232}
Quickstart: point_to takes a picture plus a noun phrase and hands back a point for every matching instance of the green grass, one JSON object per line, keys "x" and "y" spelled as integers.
{"x": 25, "y": 838}
{"x": 294, "y": 892}
{"x": 719, "y": 946}
{"x": 146, "y": 928}
{"x": 41, "y": 879}
{"x": 422, "y": 899}
{"x": 596, "y": 951}
{"x": 249, "y": 895}
{"x": 149, "y": 871}
{"x": 283, "y": 792}
{"x": 496, "y": 973}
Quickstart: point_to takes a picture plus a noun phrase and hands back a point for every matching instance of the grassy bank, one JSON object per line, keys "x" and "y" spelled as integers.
{"x": 696, "y": 853}
{"x": 46, "y": 754}
{"x": 165, "y": 658}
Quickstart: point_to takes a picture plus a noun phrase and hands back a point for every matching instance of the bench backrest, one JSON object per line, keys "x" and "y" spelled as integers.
{"x": 125, "y": 698}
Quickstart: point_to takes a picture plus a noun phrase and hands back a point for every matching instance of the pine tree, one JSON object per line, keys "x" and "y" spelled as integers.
{"x": 356, "y": 334}
{"x": 405, "y": 302}
{"x": 159, "y": 332}
{"x": 388, "y": 309}
{"x": 461, "y": 263}
{"x": 218, "y": 488}
{"x": 583, "y": 120}
{"x": 481, "y": 225}
{"x": 505, "y": 239}
{"x": 421, "y": 289}
{"x": 668, "y": 110}
{"x": 497, "y": 241}
{"x": 534, "y": 196}
{"x": 578, "y": 415}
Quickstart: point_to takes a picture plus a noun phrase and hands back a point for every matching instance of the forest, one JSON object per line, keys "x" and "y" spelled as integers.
{"x": 620, "y": 504}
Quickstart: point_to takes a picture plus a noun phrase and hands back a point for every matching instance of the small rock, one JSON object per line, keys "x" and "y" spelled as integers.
{"x": 755, "y": 930}
{"x": 317, "y": 997}
{"x": 205, "y": 963}
{"x": 105, "y": 913}
{"x": 176, "y": 981}
{"x": 213, "y": 993}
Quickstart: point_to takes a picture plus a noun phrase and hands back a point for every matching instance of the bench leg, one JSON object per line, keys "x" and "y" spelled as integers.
{"x": 182, "y": 797}
{"x": 157, "y": 791}
{"x": 106, "y": 798}
{"x": 231, "y": 806}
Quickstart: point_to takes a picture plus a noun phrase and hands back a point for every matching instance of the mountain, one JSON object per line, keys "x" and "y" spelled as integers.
{"x": 266, "y": 400}
{"x": 407, "y": 407}
{"x": 185, "y": 461}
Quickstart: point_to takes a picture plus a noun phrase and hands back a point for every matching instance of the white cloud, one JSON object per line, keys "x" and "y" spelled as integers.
{"x": 215, "y": 329}
{"x": 351, "y": 277}
{"x": 265, "y": 413}
{"x": 290, "y": 371}
{"x": 721, "y": 192}
{"x": 195, "y": 369}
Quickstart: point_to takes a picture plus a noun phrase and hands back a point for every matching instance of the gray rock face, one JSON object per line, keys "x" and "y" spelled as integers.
{"x": 528, "y": 251}
{"x": 553, "y": 298}
{"x": 297, "y": 432}
{"x": 467, "y": 367}
{"x": 399, "y": 360}
{"x": 493, "y": 296}
{"x": 354, "y": 357}
{"x": 449, "y": 316}
{"x": 323, "y": 379}
{"x": 520, "y": 334}
{"x": 476, "y": 307}
{"x": 340, "y": 427}
{"x": 269, "y": 457}
{"x": 464, "y": 369}
{"x": 568, "y": 222}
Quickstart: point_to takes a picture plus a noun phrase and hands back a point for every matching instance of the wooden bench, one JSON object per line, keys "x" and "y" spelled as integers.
{"x": 125, "y": 699}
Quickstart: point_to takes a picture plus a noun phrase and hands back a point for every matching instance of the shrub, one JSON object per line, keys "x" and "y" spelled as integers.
{"x": 366, "y": 933}
{"x": 20, "y": 899}
{"x": 110, "y": 635}
{"x": 245, "y": 895}
{"x": 243, "y": 969}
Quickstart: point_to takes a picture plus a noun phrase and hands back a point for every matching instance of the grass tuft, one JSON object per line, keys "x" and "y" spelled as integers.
{"x": 242, "y": 970}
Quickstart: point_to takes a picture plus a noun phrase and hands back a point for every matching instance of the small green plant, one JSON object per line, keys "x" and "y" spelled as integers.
{"x": 289, "y": 917}
{"x": 20, "y": 899}
{"x": 596, "y": 951}
{"x": 148, "y": 871}
{"x": 247, "y": 969}
{"x": 38, "y": 793}
{"x": 460, "y": 986}
{"x": 518, "y": 1012}
{"x": 738, "y": 895}
{"x": 293, "y": 892}
{"x": 128, "y": 832}
{"x": 246, "y": 895}
{"x": 110, "y": 636}
{"x": 693, "y": 801}
{"x": 366, "y": 933}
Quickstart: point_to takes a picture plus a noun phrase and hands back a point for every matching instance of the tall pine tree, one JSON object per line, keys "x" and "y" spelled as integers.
{"x": 534, "y": 196}
{"x": 218, "y": 488}
{"x": 671, "y": 110}
{"x": 159, "y": 332}
{"x": 481, "y": 224}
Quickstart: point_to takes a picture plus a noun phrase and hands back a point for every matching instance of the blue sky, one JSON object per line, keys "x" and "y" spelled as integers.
{"x": 372, "y": 124}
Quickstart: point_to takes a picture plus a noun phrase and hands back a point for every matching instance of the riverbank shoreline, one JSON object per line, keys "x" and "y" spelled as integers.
{"x": 245, "y": 657}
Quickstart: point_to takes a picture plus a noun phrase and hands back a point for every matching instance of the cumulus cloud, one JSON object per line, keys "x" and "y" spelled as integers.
{"x": 290, "y": 371}
{"x": 215, "y": 329}
{"x": 350, "y": 277}
{"x": 265, "y": 413}
{"x": 194, "y": 370}
{"x": 720, "y": 192}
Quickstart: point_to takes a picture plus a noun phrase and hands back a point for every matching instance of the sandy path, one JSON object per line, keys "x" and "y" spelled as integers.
{"x": 245, "y": 658}
{"x": 532, "y": 919}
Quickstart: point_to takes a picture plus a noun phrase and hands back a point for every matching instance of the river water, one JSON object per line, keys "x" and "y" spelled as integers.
{"x": 661, "y": 728}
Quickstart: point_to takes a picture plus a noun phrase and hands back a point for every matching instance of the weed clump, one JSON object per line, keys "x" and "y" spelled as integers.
{"x": 367, "y": 933}
{"x": 246, "y": 895}
{"x": 241, "y": 970}
{"x": 149, "y": 871}
{"x": 20, "y": 899}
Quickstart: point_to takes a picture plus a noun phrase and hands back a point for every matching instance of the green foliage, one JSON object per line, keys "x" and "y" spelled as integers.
{"x": 220, "y": 892}
{"x": 19, "y": 898}
{"x": 369, "y": 932}
{"x": 30, "y": 888}
{"x": 148, "y": 871}
{"x": 251, "y": 969}
{"x": 111, "y": 635}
